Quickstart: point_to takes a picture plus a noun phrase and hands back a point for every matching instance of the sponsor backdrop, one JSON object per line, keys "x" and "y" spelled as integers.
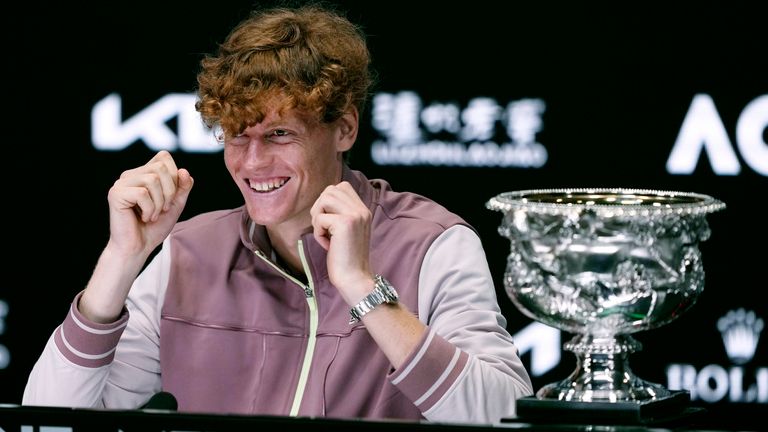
{"x": 472, "y": 100}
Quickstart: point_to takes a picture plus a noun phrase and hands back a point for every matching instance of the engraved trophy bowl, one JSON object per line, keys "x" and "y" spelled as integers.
{"x": 602, "y": 264}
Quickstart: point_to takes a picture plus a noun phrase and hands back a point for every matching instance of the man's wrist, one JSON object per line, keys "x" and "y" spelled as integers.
{"x": 383, "y": 293}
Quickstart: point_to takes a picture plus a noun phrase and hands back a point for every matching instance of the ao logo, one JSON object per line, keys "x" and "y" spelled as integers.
{"x": 703, "y": 131}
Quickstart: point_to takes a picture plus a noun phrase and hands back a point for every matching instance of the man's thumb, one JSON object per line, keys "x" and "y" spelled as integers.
{"x": 185, "y": 180}
{"x": 185, "y": 185}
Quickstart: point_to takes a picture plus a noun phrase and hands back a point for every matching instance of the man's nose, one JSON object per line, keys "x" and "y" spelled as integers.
{"x": 258, "y": 153}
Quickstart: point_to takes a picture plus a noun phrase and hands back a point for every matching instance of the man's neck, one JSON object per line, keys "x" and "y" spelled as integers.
{"x": 284, "y": 242}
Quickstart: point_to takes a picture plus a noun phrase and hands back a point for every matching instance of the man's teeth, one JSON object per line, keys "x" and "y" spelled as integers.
{"x": 268, "y": 185}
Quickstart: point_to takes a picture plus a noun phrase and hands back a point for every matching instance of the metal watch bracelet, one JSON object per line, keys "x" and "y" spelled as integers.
{"x": 383, "y": 292}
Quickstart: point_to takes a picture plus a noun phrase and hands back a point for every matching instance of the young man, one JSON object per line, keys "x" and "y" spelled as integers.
{"x": 325, "y": 294}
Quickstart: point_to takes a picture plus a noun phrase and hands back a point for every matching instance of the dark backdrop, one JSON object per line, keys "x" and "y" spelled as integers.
{"x": 617, "y": 81}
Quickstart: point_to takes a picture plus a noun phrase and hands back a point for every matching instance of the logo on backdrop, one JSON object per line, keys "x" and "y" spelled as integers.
{"x": 413, "y": 134}
{"x": 5, "y": 355}
{"x": 740, "y": 332}
{"x": 446, "y": 134}
{"x": 481, "y": 134}
{"x": 109, "y": 132}
{"x": 543, "y": 342}
{"x": 703, "y": 131}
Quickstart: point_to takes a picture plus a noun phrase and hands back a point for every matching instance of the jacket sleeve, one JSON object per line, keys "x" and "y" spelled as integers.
{"x": 467, "y": 368}
{"x": 117, "y": 365}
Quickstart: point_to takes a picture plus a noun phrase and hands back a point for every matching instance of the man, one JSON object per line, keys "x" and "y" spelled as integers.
{"x": 325, "y": 294}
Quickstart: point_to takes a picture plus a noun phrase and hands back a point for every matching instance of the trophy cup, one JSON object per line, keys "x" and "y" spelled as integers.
{"x": 604, "y": 263}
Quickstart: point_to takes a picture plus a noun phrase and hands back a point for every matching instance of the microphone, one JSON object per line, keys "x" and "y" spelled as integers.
{"x": 161, "y": 401}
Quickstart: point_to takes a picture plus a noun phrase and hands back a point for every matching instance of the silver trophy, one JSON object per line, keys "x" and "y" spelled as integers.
{"x": 603, "y": 264}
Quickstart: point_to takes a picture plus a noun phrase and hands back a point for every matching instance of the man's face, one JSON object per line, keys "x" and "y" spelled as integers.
{"x": 282, "y": 164}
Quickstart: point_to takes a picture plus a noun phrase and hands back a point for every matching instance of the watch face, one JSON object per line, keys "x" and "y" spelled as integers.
{"x": 387, "y": 288}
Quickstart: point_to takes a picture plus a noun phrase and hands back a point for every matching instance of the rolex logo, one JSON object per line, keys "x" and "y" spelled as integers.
{"x": 740, "y": 331}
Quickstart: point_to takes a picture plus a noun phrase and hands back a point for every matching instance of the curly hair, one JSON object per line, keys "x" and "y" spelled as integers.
{"x": 309, "y": 57}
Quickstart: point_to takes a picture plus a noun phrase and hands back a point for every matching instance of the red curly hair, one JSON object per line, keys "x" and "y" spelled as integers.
{"x": 310, "y": 58}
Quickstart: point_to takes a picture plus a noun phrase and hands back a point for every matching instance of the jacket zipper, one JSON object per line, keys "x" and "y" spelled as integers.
{"x": 309, "y": 292}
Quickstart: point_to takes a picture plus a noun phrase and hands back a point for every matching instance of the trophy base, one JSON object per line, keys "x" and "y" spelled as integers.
{"x": 673, "y": 409}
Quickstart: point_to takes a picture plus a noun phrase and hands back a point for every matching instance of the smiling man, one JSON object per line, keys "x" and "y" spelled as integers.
{"x": 325, "y": 294}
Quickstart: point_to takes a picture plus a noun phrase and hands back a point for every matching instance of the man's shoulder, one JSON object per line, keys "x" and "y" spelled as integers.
{"x": 413, "y": 207}
{"x": 211, "y": 219}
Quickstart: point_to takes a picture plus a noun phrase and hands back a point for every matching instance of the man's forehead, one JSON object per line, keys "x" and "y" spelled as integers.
{"x": 275, "y": 117}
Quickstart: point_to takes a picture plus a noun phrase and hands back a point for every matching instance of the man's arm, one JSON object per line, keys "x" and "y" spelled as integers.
{"x": 112, "y": 365}
{"x": 467, "y": 368}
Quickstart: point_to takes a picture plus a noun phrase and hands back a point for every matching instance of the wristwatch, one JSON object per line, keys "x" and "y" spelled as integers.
{"x": 383, "y": 292}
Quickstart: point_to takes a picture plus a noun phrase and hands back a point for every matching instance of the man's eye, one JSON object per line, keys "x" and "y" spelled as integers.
{"x": 279, "y": 132}
{"x": 238, "y": 140}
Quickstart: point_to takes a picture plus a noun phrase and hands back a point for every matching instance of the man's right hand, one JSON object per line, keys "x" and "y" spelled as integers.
{"x": 144, "y": 205}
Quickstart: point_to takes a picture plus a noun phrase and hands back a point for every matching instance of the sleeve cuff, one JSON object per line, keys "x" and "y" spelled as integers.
{"x": 430, "y": 371}
{"x": 87, "y": 343}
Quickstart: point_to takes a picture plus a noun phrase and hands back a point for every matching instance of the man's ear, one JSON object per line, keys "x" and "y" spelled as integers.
{"x": 347, "y": 127}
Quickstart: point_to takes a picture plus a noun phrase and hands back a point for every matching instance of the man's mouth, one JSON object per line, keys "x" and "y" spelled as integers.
{"x": 268, "y": 185}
